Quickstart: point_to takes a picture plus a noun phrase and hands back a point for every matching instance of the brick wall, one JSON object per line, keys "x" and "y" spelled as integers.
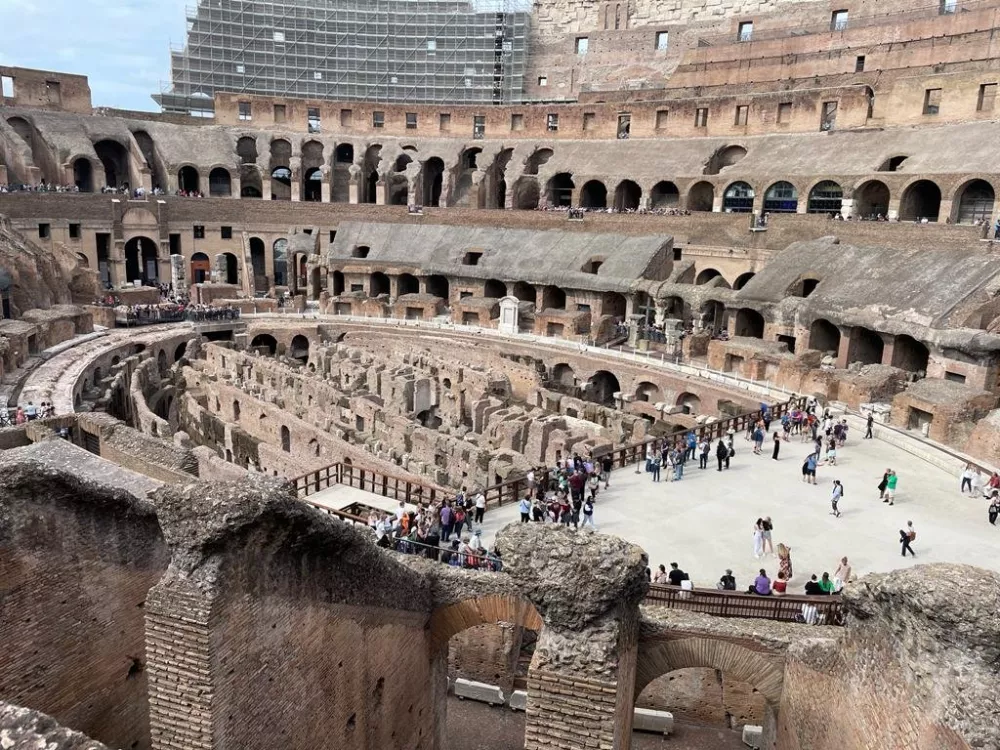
{"x": 700, "y": 695}
{"x": 486, "y": 653}
{"x": 75, "y": 578}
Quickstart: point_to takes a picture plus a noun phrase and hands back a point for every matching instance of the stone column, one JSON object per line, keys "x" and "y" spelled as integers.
{"x": 116, "y": 262}
{"x": 235, "y": 187}
{"x": 352, "y": 187}
{"x": 178, "y": 277}
{"x": 587, "y": 587}
{"x": 846, "y": 349}
{"x": 324, "y": 189}
{"x": 888, "y": 348}
{"x": 381, "y": 191}
{"x": 717, "y": 200}
{"x": 944, "y": 212}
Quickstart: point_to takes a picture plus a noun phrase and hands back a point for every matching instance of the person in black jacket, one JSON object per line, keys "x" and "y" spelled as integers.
{"x": 722, "y": 452}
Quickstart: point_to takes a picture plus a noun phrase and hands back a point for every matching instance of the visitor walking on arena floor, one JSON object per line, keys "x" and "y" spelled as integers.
{"x": 883, "y": 484}
{"x": 480, "y": 506}
{"x": 758, "y": 538}
{"x": 722, "y": 453}
{"x": 704, "y": 447}
{"x": 868, "y": 427}
{"x": 994, "y": 510}
{"x": 525, "y": 507}
{"x": 835, "y": 496}
{"x": 809, "y": 468}
{"x": 785, "y": 561}
{"x": 842, "y": 575}
{"x": 890, "y": 488}
{"x": 768, "y": 528}
{"x": 906, "y": 537}
{"x": 967, "y": 479}
{"x": 588, "y": 514}
{"x": 777, "y": 446}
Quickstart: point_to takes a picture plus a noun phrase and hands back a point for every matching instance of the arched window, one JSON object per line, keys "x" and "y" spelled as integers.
{"x": 781, "y": 197}
{"x": 738, "y": 198}
{"x": 825, "y": 198}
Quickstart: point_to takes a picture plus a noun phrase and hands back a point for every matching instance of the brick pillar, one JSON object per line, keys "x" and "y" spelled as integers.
{"x": 381, "y": 193}
{"x": 717, "y": 201}
{"x": 944, "y": 212}
{"x": 116, "y": 263}
{"x": 888, "y": 348}
{"x": 235, "y": 187}
{"x": 324, "y": 189}
{"x": 846, "y": 348}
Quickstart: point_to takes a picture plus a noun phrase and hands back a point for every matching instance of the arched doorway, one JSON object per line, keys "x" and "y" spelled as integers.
{"x": 299, "y": 348}
{"x": 867, "y": 347}
{"x": 664, "y": 195}
{"x": 231, "y": 266}
{"x": 871, "y": 200}
{"x": 258, "y": 261}
{"x": 188, "y": 180}
{"x": 559, "y": 190}
{"x": 251, "y": 185}
{"x": 408, "y": 284}
{"x": 701, "y": 197}
{"x": 201, "y": 268}
{"x": 594, "y": 194}
{"x": 602, "y": 387}
{"x": 707, "y": 275}
{"x": 313, "y": 185}
{"x": 689, "y": 403}
{"x": 338, "y": 283}
{"x": 114, "y": 158}
{"x": 738, "y": 198}
{"x": 563, "y": 375}
{"x": 281, "y": 184}
{"x": 83, "y": 175}
{"x": 553, "y": 298}
{"x": 526, "y": 193}
{"x": 648, "y": 392}
{"x": 825, "y": 198}
{"x": 524, "y": 292}
{"x": 279, "y": 252}
{"x": 824, "y": 336}
{"x": 246, "y": 150}
{"x": 438, "y": 286}
{"x": 493, "y": 288}
{"x": 141, "y": 261}
{"x": 266, "y": 342}
{"x": 220, "y": 183}
{"x": 975, "y": 203}
{"x": 781, "y": 197}
{"x": 286, "y": 439}
{"x": 378, "y": 284}
{"x": 628, "y": 195}
{"x": 743, "y": 279}
{"x": 920, "y": 201}
{"x": 433, "y": 181}
{"x": 749, "y": 323}
{"x": 909, "y": 354}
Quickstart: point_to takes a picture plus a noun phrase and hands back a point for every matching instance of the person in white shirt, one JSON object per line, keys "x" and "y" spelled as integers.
{"x": 480, "y": 507}
{"x": 967, "y": 480}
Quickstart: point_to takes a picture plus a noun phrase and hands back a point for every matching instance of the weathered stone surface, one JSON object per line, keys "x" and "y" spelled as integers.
{"x": 24, "y": 729}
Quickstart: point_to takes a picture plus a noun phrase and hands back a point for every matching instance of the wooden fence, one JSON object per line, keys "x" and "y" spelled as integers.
{"x": 828, "y": 610}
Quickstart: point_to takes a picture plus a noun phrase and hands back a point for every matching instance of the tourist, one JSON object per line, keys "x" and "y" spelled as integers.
{"x": 994, "y": 510}
{"x": 780, "y": 587}
{"x": 588, "y": 514}
{"x": 661, "y": 576}
{"x": 525, "y": 507}
{"x": 758, "y": 538}
{"x": 813, "y": 588}
{"x": 758, "y": 439}
{"x": 458, "y": 516}
{"x": 31, "y": 412}
{"x": 906, "y": 537}
{"x": 826, "y": 584}
{"x": 692, "y": 444}
{"x": 777, "y": 447}
{"x": 841, "y": 576}
{"x": 785, "y": 561}
{"x": 967, "y": 479}
{"x": 883, "y": 484}
{"x": 480, "y": 502}
{"x": 655, "y": 467}
{"x": 890, "y": 488}
{"x": 809, "y": 468}
{"x": 722, "y": 453}
{"x": 761, "y": 585}
{"x": 868, "y": 426}
{"x": 676, "y": 576}
{"x": 831, "y": 452}
{"x": 607, "y": 464}
{"x": 835, "y": 497}
{"x": 447, "y": 522}
{"x": 727, "y": 582}
{"x": 704, "y": 448}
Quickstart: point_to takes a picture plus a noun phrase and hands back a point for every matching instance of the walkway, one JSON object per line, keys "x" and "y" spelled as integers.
{"x": 705, "y": 522}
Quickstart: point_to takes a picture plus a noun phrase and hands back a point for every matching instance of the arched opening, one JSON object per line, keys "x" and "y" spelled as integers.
{"x": 286, "y": 439}
{"x": 188, "y": 180}
{"x": 251, "y": 185}
{"x": 299, "y": 348}
{"x": 231, "y": 266}
{"x": 338, "y": 283}
{"x": 281, "y": 184}
{"x": 726, "y": 156}
{"x": 602, "y": 387}
{"x": 246, "y": 150}
{"x": 553, "y": 298}
{"x": 83, "y": 175}
{"x": 312, "y": 174}
{"x": 369, "y": 174}
{"x": 265, "y": 342}
{"x": 563, "y": 375}
{"x": 114, "y": 158}
{"x": 344, "y": 153}
{"x": 738, "y": 198}
{"x": 921, "y": 200}
{"x": 279, "y": 251}
{"x": 258, "y": 261}
{"x": 664, "y": 195}
{"x": 161, "y": 362}
{"x": 433, "y": 181}
{"x": 892, "y": 164}
{"x": 674, "y": 308}
{"x": 594, "y": 194}
{"x": 83, "y": 260}
{"x": 495, "y": 289}
{"x": 871, "y": 200}
{"x": 749, "y": 323}
{"x": 140, "y": 261}
{"x": 316, "y": 283}
{"x": 220, "y": 184}
{"x": 538, "y": 158}
{"x": 180, "y": 351}
{"x": 689, "y": 403}
{"x": 742, "y": 279}
{"x": 627, "y": 196}
{"x": 781, "y": 197}
{"x": 909, "y": 354}
{"x": 157, "y": 170}
{"x": 802, "y": 287}
{"x": 313, "y": 185}
{"x": 526, "y": 193}
{"x": 408, "y": 284}
{"x": 378, "y": 284}
{"x": 524, "y": 292}
{"x": 201, "y": 268}
{"x": 648, "y": 392}
{"x": 438, "y": 286}
{"x": 614, "y": 304}
{"x": 867, "y": 347}
{"x": 824, "y": 336}
{"x": 701, "y": 197}
{"x": 975, "y": 203}
{"x": 707, "y": 275}
{"x": 826, "y": 197}
{"x": 559, "y": 190}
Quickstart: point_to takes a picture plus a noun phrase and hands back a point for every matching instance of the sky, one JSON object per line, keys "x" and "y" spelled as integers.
{"x": 123, "y": 46}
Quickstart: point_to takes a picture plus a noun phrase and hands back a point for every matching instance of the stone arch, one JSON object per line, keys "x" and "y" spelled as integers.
{"x": 84, "y": 260}
{"x": 265, "y": 341}
{"x": 279, "y": 260}
{"x": 494, "y": 288}
{"x": 281, "y": 184}
{"x": 251, "y": 184}
{"x": 299, "y": 348}
{"x": 180, "y": 351}
{"x": 743, "y": 279}
{"x": 188, "y": 179}
{"x": 438, "y": 286}
{"x": 408, "y": 284}
{"x": 824, "y": 336}
{"x": 563, "y": 375}
{"x": 601, "y": 387}
{"x": 690, "y": 403}
{"x": 553, "y": 298}
{"x": 312, "y": 185}
{"x": 628, "y": 196}
{"x": 594, "y": 194}
{"x": 664, "y": 195}
{"x": 871, "y": 198}
{"x": 452, "y": 619}
{"x": 258, "y": 263}
{"x": 286, "y": 439}
{"x": 867, "y": 346}
{"x": 648, "y": 392}
{"x": 524, "y": 292}
{"x": 201, "y": 268}
{"x": 141, "y": 260}
{"x": 220, "y": 183}
{"x": 369, "y": 173}
{"x": 825, "y": 197}
{"x": 802, "y": 287}
{"x": 738, "y": 198}
{"x": 761, "y": 670}
{"x": 246, "y": 149}
{"x": 724, "y": 157}
{"x": 707, "y": 275}
{"x": 232, "y": 268}
{"x": 378, "y": 284}
{"x": 114, "y": 158}
{"x": 42, "y": 156}
{"x": 909, "y": 354}
{"x": 147, "y": 148}
{"x": 701, "y": 196}
{"x": 83, "y": 174}
{"x": 973, "y": 202}
{"x": 559, "y": 189}
{"x": 749, "y": 323}
{"x": 920, "y": 200}
{"x": 781, "y": 197}
{"x": 525, "y": 193}
{"x": 433, "y": 181}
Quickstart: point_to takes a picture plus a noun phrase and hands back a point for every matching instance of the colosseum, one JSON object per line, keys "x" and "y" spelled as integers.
{"x": 465, "y": 376}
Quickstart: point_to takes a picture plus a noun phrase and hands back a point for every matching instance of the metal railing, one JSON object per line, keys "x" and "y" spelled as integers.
{"x": 825, "y": 610}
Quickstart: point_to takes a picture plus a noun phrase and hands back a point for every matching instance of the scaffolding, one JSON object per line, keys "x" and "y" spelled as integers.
{"x": 420, "y": 51}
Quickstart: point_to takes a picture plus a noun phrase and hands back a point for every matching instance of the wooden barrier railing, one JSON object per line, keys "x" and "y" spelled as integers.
{"x": 364, "y": 479}
{"x": 828, "y": 610}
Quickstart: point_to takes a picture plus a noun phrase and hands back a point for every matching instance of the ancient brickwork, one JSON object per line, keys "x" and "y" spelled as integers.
{"x": 23, "y": 727}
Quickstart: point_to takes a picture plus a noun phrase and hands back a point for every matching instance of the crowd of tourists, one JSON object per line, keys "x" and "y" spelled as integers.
{"x": 578, "y": 212}
{"x": 41, "y": 187}
{"x": 173, "y": 312}
{"x": 26, "y": 413}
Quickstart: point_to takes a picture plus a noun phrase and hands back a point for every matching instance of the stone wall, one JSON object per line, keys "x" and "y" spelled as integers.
{"x": 705, "y": 696}
{"x": 23, "y": 727}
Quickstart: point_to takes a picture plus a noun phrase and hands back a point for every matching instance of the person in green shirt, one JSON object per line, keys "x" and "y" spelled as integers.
{"x": 826, "y": 584}
{"x": 890, "y": 488}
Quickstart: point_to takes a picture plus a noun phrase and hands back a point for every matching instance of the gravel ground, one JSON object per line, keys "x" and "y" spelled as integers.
{"x": 476, "y": 726}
